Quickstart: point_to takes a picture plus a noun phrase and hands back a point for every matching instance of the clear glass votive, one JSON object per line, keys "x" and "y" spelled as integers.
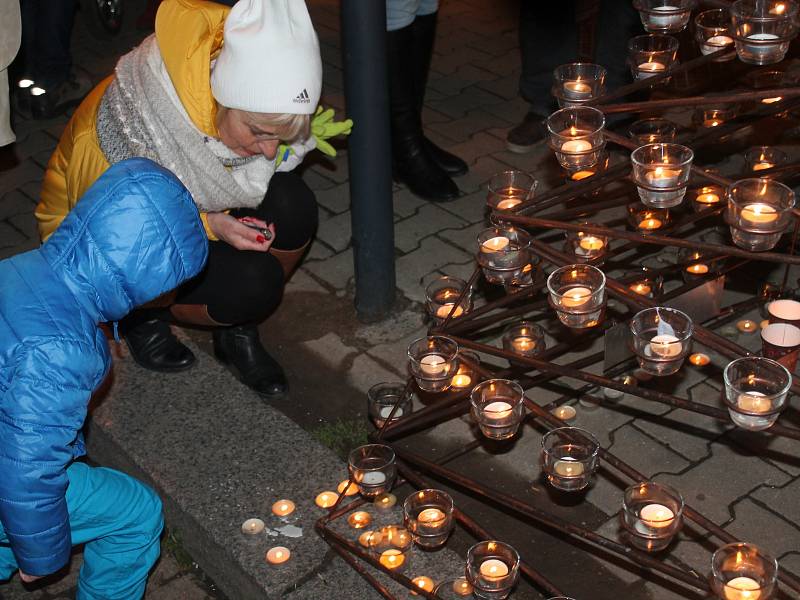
{"x": 529, "y": 275}
{"x": 381, "y": 399}
{"x": 579, "y": 174}
{"x": 651, "y": 515}
{"x": 762, "y": 29}
{"x": 651, "y": 54}
{"x": 764, "y": 157}
{"x": 503, "y": 253}
{"x": 742, "y": 571}
{"x": 661, "y": 172}
{"x": 645, "y": 282}
{"x": 507, "y": 189}
{"x": 653, "y": 131}
{"x": 696, "y": 265}
{"x": 713, "y": 32}
{"x": 492, "y": 569}
{"x": 524, "y": 338}
{"x": 707, "y": 196}
{"x": 661, "y": 338}
{"x": 391, "y": 544}
{"x": 441, "y": 296}
{"x": 759, "y": 210}
{"x": 466, "y": 376}
{"x": 664, "y": 16}
{"x": 428, "y": 516}
{"x": 763, "y": 80}
{"x": 586, "y": 246}
{"x": 433, "y": 361}
{"x": 372, "y": 468}
{"x": 576, "y": 136}
{"x": 497, "y": 407}
{"x": 578, "y": 295}
{"x": 756, "y": 390}
{"x": 644, "y": 219}
{"x": 575, "y": 84}
{"x": 454, "y": 589}
{"x": 569, "y": 458}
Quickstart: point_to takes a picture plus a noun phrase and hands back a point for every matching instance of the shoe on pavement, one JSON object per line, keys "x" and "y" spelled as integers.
{"x": 46, "y": 103}
{"x": 522, "y": 138}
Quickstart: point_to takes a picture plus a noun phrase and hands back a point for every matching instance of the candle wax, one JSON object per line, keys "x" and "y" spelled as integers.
{"x": 662, "y": 177}
{"x": 759, "y": 213}
{"x": 719, "y": 40}
{"x": 283, "y": 508}
{"x": 577, "y": 296}
{"x": 351, "y": 491}
{"x": 493, "y": 569}
{"x": 445, "y": 309}
{"x": 656, "y": 516}
{"x": 423, "y": 583}
{"x": 576, "y": 146}
{"x": 385, "y": 500}
{"x": 649, "y": 224}
{"x": 523, "y": 344}
{"x": 392, "y": 558}
{"x": 747, "y": 326}
{"x": 326, "y": 499}
{"x": 431, "y": 517}
{"x": 252, "y": 526}
{"x": 565, "y": 413}
{"x": 760, "y": 166}
{"x": 754, "y": 402}
{"x": 460, "y": 381}
{"x": 387, "y": 410}
{"x": 665, "y": 346}
{"x": 648, "y": 69}
{"x": 373, "y": 478}
{"x": 708, "y": 198}
{"x": 641, "y": 288}
{"x": 508, "y": 203}
{"x": 578, "y": 175}
{"x": 568, "y": 467}
{"x": 495, "y": 244}
{"x": 432, "y": 364}
{"x": 462, "y": 587}
{"x": 591, "y": 243}
{"x": 577, "y": 88}
{"x": 359, "y": 519}
{"x": 698, "y": 269}
{"x": 370, "y": 538}
{"x": 278, "y": 555}
{"x": 497, "y": 410}
{"x": 742, "y": 588}
{"x": 699, "y": 359}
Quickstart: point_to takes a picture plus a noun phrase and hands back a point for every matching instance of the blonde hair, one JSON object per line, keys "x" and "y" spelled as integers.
{"x": 288, "y": 127}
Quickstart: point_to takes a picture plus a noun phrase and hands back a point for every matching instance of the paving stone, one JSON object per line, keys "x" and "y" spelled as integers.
{"x": 759, "y": 525}
{"x": 332, "y": 351}
{"x": 335, "y": 231}
{"x": 410, "y": 269}
{"x": 449, "y": 63}
{"x": 782, "y": 498}
{"x": 687, "y": 433}
{"x": 405, "y": 203}
{"x": 26, "y": 224}
{"x": 318, "y": 251}
{"x": 301, "y": 283}
{"x": 464, "y": 237}
{"x": 366, "y": 372}
{"x": 644, "y": 453}
{"x": 430, "y": 219}
{"x": 475, "y": 120}
{"x": 25, "y": 172}
{"x": 15, "y": 203}
{"x": 601, "y": 421}
{"x": 10, "y": 237}
{"x": 780, "y": 452}
{"x": 334, "y": 169}
{"x": 336, "y": 199}
{"x": 480, "y": 173}
{"x": 463, "y": 77}
{"x": 336, "y": 270}
{"x": 396, "y": 326}
{"x": 34, "y": 143}
{"x": 477, "y": 146}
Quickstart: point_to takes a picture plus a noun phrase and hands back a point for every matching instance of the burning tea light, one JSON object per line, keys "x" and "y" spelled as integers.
{"x": 423, "y": 583}
{"x": 699, "y": 359}
{"x": 662, "y": 177}
{"x": 443, "y": 311}
{"x": 747, "y": 326}
{"x": 650, "y": 224}
{"x": 373, "y": 478}
{"x": 252, "y": 526}
{"x": 641, "y": 288}
{"x": 754, "y": 402}
{"x": 283, "y": 508}
{"x": 432, "y": 364}
{"x": 385, "y": 501}
{"x": 326, "y": 499}
{"x": 523, "y": 344}
{"x": 508, "y": 203}
{"x": 568, "y": 467}
{"x": 368, "y": 539}
{"x": 565, "y": 413}
{"x": 742, "y": 588}
{"x": 359, "y": 519}
{"x": 707, "y": 197}
{"x": 392, "y": 558}
{"x": 352, "y": 490}
{"x": 656, "y": 516}
{"x": 697, "y": 269}
{"x": 278, "y": 555}
{"x": 494, "y": 569}
{"x": 497, "y": 410}
{"x": 719, "y": 41}
{"x": 759, "y": 213}
{"x": 460, "y": 381}
{"x": 760, "y": 166}
{"x": 576, "y": 296}
{"x": 665, "y": 346}
{"x": 462, "y": 587}
{"x": 576, "y": 146}
{"x": 650, "y": 68}
{"x": 591, "y": 242}
{"x": 495, "y": 244}
{"x": 576, "y": 90}
{"x": 433, "y": 517}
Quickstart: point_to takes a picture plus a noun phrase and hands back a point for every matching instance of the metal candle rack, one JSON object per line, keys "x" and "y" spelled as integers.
{"x": 416, "y": 468}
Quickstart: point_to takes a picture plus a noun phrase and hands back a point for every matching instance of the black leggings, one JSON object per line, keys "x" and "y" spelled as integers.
{"x": 243, "y": 286}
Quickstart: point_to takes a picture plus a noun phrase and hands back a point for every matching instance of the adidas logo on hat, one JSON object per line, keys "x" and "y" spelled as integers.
{"x": 302, "y": 97}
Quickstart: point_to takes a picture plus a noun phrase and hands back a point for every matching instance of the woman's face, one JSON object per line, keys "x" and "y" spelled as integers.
{"x": 238, "y": 131}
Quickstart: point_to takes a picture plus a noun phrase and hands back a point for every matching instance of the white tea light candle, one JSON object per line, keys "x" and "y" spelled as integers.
{"x": 253, "y": 526}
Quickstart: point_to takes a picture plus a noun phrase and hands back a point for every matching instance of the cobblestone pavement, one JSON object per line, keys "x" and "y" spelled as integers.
{"x": 747, "y": 482}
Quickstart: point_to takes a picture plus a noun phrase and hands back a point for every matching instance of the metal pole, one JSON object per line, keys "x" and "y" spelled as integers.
{"x": 367, "y": 95}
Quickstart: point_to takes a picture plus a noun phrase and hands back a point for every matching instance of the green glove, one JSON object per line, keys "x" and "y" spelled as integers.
{"x": 323, "y": 127}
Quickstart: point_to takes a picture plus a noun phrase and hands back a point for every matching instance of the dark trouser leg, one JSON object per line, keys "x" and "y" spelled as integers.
{"x": 53, "y": 33}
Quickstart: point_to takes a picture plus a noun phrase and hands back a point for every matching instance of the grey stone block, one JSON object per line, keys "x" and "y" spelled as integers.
{"x": 10, "y": 237}
{"x": 335, "y": 231}
{"x": 16, "y": 203}
{"x": 406, "y": 204}
{"x": 430, "y": 219}
{"x": 336, "y": 270}
{"x": 688, "y": 433}
{"x": 432, "y": 254}
{"x": 644, "y": 453}
{"x": 475, "y": 120}
{"x": 782, "y": 499}
{"x": 336, "y": 199}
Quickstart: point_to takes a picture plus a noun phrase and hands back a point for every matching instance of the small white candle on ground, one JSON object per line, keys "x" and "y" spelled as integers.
{"x": 742, "y": 588}
{"x": 495, "y": 244}
{"x": 577, "y": 296}
{"x": 699, "y": 359}
{"x": 353, "y": 489}
{"x": 697, "y": 269}
{"x": 283, "y": 508}
{"x": 278, "y": 555}
{"x": 747, "y": 326}
{"x": 497, "y": 410}
{"x": 708, "y": 198}
{"x": 253, "y": 526}
{"x": 591, "y": 242}
{"x": 565, "y": 413}
{"x": 657, "y": 516}
{"x": 754, "y": 402}
{"x": 523, "y": 344}
{"x": 370, "y": 538}
{"x": 423, "y": 583}
{"x": 665, "y": 346}
{"x": 326, "y": 499}
{"x": 462, "y": 587}
{"x": 359, "y": 519}
{"x": 392, "y": 558}
{"x": 494, "y": 569}
{"x": 385, "y": 501}
{"x": 568, "y": 467}
{"x": 461, "y": 380}
{"x": 432, "y": 364}
{"x": 714, "y": 43}
{"x": 650, "y": 224}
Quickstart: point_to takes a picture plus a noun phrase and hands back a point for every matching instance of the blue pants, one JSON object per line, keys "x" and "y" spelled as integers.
{"x": 401, "y": 13}
{"x": 119, "y": 521}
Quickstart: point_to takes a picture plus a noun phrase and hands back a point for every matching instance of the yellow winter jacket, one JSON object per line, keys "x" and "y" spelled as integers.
{"x": 189, "y": 35}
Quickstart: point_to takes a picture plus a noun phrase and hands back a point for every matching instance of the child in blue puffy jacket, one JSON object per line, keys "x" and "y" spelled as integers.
{"x": 135, "y": 235}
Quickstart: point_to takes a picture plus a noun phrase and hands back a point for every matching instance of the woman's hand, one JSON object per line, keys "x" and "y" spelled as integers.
{"x": 229, "y": 229}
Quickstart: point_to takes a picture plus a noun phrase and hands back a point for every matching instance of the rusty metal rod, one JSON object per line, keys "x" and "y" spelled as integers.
{"x": 730, "y": 98}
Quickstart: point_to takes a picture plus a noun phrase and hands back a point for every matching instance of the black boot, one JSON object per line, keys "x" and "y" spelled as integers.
{"x": 423, "y": 32}
{"x": 412, "y": 164}
{"x": 240, "y": 347}
{"x": 153, "y": 345}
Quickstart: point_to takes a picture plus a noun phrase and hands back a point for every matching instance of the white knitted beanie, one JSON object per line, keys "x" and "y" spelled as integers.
{"x": 270, "y": 60}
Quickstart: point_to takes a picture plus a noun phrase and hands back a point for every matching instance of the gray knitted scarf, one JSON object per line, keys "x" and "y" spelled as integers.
{"x": 140, "y": 114}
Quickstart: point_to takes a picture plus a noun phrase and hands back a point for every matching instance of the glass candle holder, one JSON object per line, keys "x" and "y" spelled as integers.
{"x": 707, "y": 196}
{"x": 586, "y": 246}
{"x": 763, "y": 80}
{"x": 653, "y": 131}
{"x": 661, "y": 338}
{"x": 644, "y": 219}
{"x": 578, "y": 295}
{"x": 391, "y": 545}
{"x": 381, "y": 399}
{"x": 428, "y": 516}
{"x": 652, "y": 54}
{"x": 497, "y": 407}
{"x": 524, "y": 338}
{"x": 433, "y": 361}
{"x": 466, "y": 376}
{"x": 661, "y": 172}
{"x": 755, "y": 391}
{"x": 510, "y": 188}
{"x": 503, "y": 253}
{"x": 576, "y": 136}
{"x": 651, "y": 515}
{"x": 714, "y": 115}
{"x": 645, "y": 282}
{"x": 759, "y": 210}
{"x": 372, "y": 468}
{"x": 713, "y": 32}
{"x": 576, "y": 175}
{"x": 762, "y": 29}
{"x": 492, "y": 569}
{"x": 664, "y": 16}
{"x": 743, "y": 571}
{"x": 696, "y": 265}
{"x": 764, "y": 157}
{"x": 575, "y": 84}
{"x": 454, "y": 589}
{"x": 569, "y": 458}
{"x": 529, "y": 275}
{"x": 441, "y": 296}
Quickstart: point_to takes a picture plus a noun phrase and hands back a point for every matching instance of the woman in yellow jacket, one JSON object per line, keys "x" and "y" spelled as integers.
{"x": 224, "y": 99}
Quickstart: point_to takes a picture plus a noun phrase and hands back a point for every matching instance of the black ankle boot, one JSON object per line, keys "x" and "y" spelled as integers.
{"x": 240, "y": 347}
{"x": 154, "y": 346}
{"x": 412, "y": 163}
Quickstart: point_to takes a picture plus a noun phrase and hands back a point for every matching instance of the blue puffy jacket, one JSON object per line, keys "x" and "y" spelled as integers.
{"x": 134, "y": 235}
